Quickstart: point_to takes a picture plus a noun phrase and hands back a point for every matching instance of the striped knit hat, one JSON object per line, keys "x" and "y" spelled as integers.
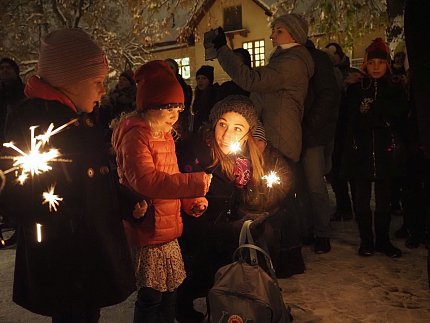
{"x": 235, "y": 103}
{"x": 259, "y": 133}
{"x": 68, "y": 56}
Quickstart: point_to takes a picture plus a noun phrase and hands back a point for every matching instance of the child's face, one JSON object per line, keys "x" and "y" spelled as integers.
{"x": 202, "y": 82}
{"x": 376, "y": 67}
{"x": 86, "y": 94}
{"x": 7, "y": 73}
{"x": 164, "y": 119}
{"x": 230, "y": 128}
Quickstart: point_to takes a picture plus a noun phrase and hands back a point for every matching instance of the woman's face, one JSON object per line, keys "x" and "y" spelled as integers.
{"x": 202, "y": 82}
{"x": 230, "y": 128}
{"x": 86, "y": 94}
{"x": 280, "y": 35}
{"x": 164, "y": 119}
{"x": 376, "y": 67}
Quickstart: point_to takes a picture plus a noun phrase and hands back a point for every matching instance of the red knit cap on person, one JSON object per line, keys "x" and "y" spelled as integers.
{"x": 68, "y": 56}
{"x": 157, "y": 86}
{"x": 377, "y": 49}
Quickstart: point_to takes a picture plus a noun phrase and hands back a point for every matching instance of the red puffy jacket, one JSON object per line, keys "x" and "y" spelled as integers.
{"x": 149, "y": 166}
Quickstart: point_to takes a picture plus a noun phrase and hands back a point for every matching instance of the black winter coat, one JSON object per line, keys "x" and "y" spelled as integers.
{"x": 210, "y": 240}
{"x": 375, "y": 147}
{"x": 322, "y": 102}
{"x": 82, "y": 260}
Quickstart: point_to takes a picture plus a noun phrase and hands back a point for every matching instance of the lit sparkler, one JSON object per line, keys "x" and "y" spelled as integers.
{"x": 52, "y": 199}
{"x": 271, "y": 179}
{"x": 36, "y": 161}
{"x": 235, "y": 147}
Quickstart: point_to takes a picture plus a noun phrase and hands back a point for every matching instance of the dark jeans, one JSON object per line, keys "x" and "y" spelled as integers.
{"x": 314, "y": 161}
{"x": 153, "y": 306}
{"x": 88, "y": 316}
{"x": 382, "y": 218}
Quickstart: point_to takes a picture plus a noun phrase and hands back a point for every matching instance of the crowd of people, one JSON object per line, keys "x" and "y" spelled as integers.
{"x": 161, "y": 178}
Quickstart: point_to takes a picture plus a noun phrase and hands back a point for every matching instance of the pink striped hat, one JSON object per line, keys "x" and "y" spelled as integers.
{"x": 68, "y": 56}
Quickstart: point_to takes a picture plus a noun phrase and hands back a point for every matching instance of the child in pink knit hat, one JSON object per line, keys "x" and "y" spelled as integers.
{"x": 80, "y": 260}
{"x": 72, "y": 63}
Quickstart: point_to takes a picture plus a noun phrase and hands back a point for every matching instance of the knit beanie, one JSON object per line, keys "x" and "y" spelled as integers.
{"x": 157, "y": 86}
{"x": 69, "y": 56}
{"x": 377, "y": 49}
{"x": 207, "y": 71}
{"x": 244, "y": 55}
{"x": 235, "y": 103}
{"x": 258, "y": 132}
{"x": 296, "y": 25}
{"x": 12, "y": 63}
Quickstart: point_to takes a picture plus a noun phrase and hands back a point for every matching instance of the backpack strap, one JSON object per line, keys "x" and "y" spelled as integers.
{"x": 246, "y": 237}
{"x": 254, "y": 248}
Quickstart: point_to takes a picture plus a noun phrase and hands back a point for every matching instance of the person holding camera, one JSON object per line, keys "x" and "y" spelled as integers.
{"x": 279, "y": 88}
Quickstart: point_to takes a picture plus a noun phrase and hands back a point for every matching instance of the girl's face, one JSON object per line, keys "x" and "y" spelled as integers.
{"x": 202, "y": 82}
{"x": 376, "y": 67}
{"x": 280, "y": 35}
{"x": 230, "y": 128}
{"x": 86, "y": 94}
{"x": 164, "y": 119}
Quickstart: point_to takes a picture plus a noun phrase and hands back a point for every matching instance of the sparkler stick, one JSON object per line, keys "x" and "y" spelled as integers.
{"x": 49, "y": 132}
{"x": 39, "y": 232}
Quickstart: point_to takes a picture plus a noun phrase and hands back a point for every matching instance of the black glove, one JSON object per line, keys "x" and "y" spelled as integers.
{"x": 258, "y": 219}
{"x": 220, "y": 39}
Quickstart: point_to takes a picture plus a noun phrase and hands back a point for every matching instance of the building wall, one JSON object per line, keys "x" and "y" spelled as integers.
{"x": 187, "y": 51}
{"x": 257, "y": 23}
{"x": 254, "y": 21}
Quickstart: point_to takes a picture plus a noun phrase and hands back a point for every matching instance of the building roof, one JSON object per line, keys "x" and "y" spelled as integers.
{"x": 183, "y": 21}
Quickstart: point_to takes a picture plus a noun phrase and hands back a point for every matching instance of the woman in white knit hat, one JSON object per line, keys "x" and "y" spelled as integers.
{"x": 78, "y": 260}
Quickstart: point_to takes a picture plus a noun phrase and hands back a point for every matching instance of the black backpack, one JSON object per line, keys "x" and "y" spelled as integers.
{"x": 243, "y": 291}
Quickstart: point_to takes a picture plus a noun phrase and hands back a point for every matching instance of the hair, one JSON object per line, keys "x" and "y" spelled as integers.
{"x": 227, "y": 162}
{"x": 244, "y": 55}
{"x": 338, "y": 49}
{"x": 144, "y": 115}
{"x": 174, "y": 63}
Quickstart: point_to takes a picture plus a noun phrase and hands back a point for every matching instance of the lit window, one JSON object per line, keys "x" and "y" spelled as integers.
{"x": 256, "y": 50}
{"x": 184, "y": 67}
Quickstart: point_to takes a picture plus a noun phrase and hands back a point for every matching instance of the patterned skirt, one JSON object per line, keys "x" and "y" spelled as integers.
{"x": 159, "y": 266}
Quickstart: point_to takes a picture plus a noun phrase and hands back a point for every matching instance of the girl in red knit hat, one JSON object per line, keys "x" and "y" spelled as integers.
{"x": 147, "y": 165}
{"x": 375, "y": 147}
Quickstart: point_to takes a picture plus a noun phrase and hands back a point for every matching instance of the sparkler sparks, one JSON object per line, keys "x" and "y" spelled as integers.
{"x": 235, "y": 147}
{"x": 52, "y": 199}
{"x": 36, "y": 161}
{"x": 271, "y": 179}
